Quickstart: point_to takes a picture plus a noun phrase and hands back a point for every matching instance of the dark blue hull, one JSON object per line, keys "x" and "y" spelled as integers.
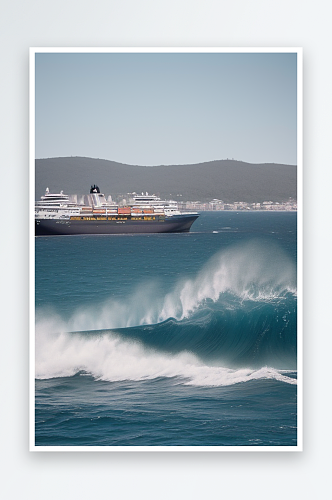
{"x": 173, "y": 224}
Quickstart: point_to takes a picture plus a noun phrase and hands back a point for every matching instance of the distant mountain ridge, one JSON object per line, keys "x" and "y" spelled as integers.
{"x": 227, "y": 180}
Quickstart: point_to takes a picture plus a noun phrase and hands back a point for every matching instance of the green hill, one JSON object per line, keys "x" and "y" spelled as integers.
{"x": 228, "y": 180}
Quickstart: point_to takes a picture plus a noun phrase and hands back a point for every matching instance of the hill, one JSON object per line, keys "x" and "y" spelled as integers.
{"x": 229, "y": 180}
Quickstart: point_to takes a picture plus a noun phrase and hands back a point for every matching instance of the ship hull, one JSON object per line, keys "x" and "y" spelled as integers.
{"x": 173, "y": 224}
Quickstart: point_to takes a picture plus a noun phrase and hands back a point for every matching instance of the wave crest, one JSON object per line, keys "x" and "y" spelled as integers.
{"x": 254, "y": 271}
{"x": 108, "y": 357}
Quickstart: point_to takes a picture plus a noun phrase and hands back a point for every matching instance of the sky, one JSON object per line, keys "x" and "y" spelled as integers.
{"x": 167, "y": 108}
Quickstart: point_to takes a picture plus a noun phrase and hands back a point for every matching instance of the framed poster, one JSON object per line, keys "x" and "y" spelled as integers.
{"x": 166, "y": 249}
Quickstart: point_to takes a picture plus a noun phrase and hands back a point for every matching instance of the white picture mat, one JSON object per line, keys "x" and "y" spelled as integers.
{"x": 142, "y": 24}
{"x": 156, "y": 50}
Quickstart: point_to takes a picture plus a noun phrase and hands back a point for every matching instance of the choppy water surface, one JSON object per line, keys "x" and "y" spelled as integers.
{"x": 169, "y": 340}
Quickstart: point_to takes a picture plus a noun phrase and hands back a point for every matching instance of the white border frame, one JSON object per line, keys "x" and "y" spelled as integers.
{"x": 299, "y": 52}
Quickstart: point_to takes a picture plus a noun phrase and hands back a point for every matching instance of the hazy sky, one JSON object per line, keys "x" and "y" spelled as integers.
{"x": 172, "y": 108}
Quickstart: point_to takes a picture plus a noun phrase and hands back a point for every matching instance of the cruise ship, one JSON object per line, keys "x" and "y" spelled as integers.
{"x": 61, "y": 214}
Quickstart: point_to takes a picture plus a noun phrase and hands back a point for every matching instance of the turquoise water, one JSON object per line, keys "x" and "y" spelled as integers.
{"x": 169, "y": 340}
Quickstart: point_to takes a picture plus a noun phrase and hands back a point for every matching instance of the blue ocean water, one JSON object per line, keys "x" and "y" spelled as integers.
{"x": 171, "y": 339}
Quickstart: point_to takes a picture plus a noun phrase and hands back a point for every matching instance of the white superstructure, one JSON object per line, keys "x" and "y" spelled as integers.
{"x": 55, "y": 206}
{"x": 145, "y": 201}
{"x": 63, "y": 206}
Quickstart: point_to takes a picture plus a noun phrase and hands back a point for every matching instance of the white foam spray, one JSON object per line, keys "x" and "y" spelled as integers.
{"x": 249, "y": 272}
{"x": 110, "y": 358}
{"x": 253, "y": 271}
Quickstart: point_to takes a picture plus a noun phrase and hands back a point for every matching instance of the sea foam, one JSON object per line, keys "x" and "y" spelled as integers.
{"x": 248, "y": 272}
{"x": 111, "y": 358}
{"x": 254, "y": 271}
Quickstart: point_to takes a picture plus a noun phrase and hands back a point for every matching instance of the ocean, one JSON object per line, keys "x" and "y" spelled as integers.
{"x": 169, "y": 340}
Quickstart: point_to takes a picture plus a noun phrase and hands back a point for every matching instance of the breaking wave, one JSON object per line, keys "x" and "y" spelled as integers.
{"x": 239, "y": 311}
{"x": 111, "y": 358}
{"x": 255, "y": 272}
